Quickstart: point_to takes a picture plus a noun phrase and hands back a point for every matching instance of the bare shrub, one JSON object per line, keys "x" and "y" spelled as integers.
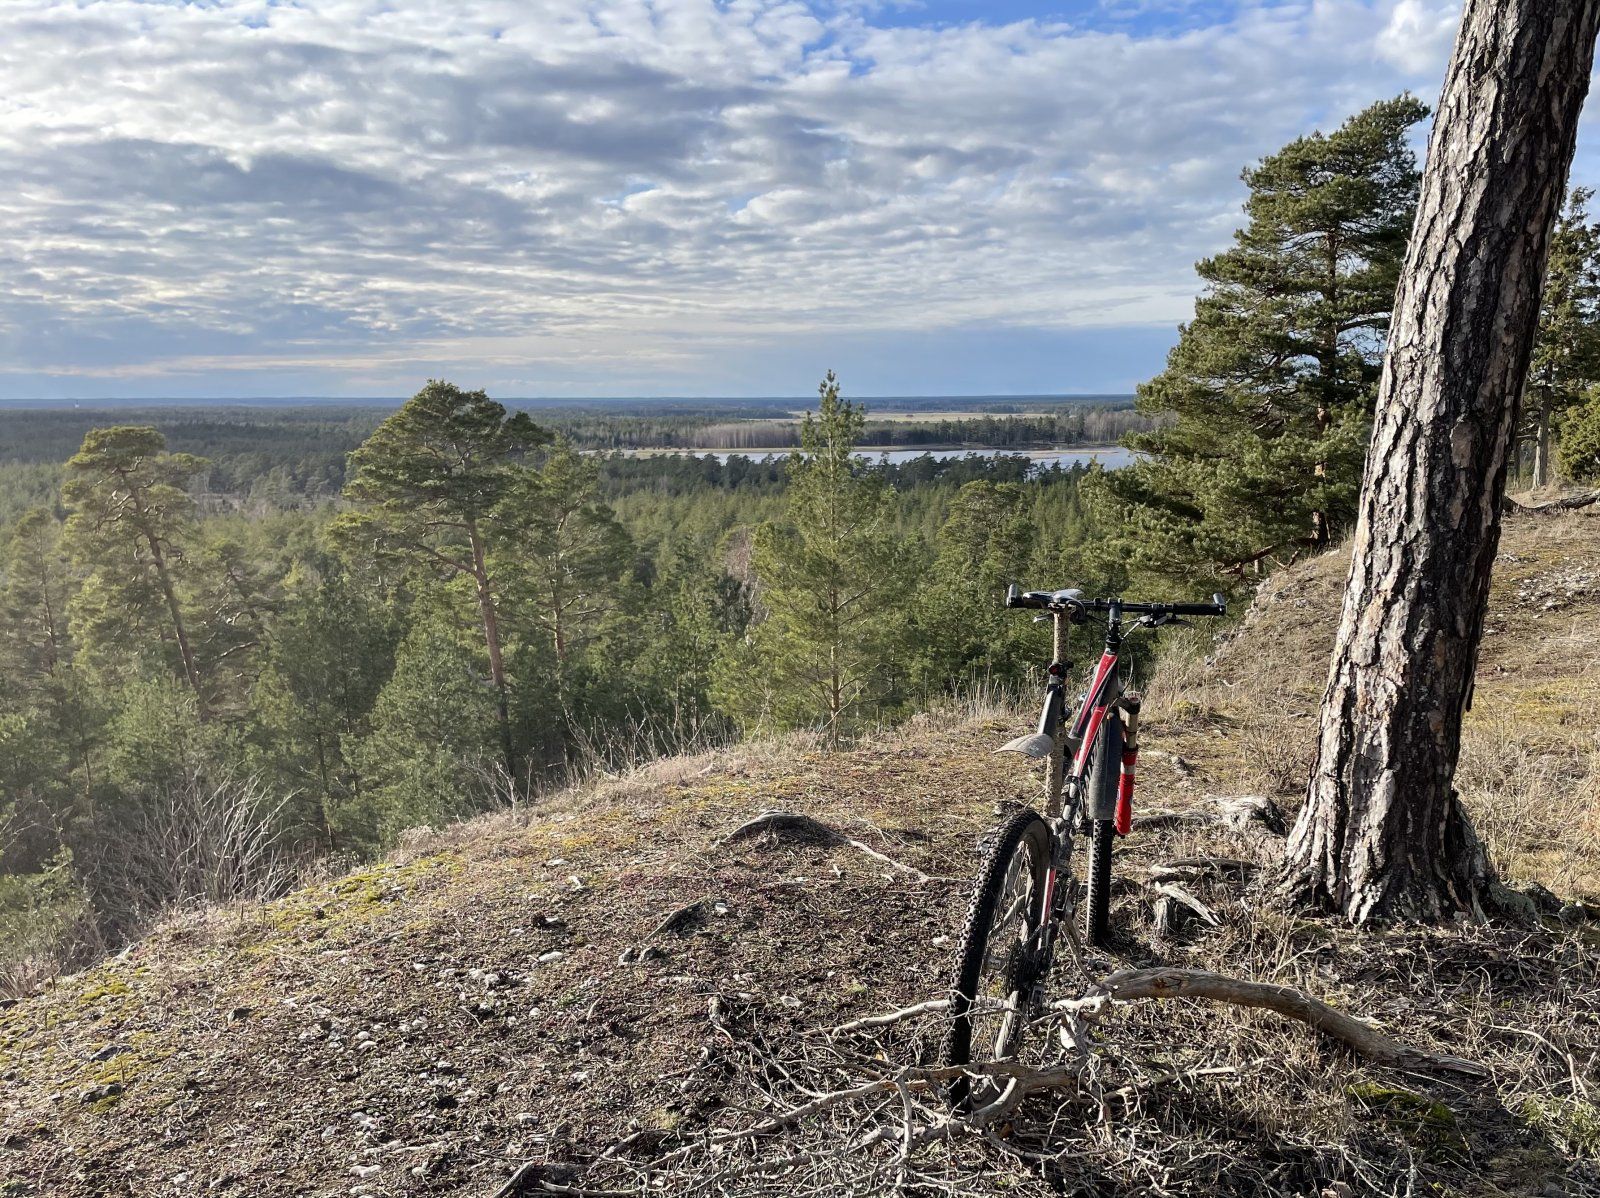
{"x": 198, "y": 841}
{"x": 983, "y": 700}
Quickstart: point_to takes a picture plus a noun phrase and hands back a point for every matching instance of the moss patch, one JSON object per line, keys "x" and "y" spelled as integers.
{"x": 1425, "y": 1122}
{"x": 1572, "y": 1122}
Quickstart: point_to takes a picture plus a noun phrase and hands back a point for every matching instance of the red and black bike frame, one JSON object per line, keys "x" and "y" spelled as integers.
{"x": 1103, "y": 700}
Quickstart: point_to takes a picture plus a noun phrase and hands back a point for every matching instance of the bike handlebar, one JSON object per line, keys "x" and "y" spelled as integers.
{"x": 1068, "y": 601}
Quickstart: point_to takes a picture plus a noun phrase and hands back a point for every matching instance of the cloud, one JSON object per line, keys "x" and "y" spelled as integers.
{"x": 611, "y": 190}
{"x": 1419, "y": 33}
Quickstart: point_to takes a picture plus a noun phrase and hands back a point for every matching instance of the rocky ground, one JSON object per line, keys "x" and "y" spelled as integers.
{"x": 505, "y": 996}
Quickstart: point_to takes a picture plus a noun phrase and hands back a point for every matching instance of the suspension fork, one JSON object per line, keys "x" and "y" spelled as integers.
{"x": 1130, "y": 704}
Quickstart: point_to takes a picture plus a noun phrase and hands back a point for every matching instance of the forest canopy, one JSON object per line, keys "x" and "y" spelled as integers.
{"x": 238, "y": 640}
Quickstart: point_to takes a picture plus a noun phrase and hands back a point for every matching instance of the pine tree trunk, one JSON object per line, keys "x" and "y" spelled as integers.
{"x": 191, "y": 667}
{"x": 1541, "y": 442}
{"x": 497, "y": 665}
{"x": 1382, "y": 835}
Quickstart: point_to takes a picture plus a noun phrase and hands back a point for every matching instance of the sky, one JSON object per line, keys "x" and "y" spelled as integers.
{"x": 645, "y": 197}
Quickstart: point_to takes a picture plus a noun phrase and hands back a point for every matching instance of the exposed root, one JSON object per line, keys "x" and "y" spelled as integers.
{"x": 1129, "y": 985}
{"x": 792, "y": 825}
{"x": 784, "y": 825}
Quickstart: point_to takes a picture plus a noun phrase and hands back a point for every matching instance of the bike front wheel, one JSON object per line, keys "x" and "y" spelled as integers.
{"x": 995, "y": 968}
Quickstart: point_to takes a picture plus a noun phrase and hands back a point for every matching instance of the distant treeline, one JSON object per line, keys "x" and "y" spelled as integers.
{"x": 1073, "y": 426}
{"x": 275, "y": 458}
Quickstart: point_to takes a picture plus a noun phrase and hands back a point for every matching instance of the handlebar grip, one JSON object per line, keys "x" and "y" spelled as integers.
{"x": 1217, "y": 607}
{"x": 1013, "y": 596}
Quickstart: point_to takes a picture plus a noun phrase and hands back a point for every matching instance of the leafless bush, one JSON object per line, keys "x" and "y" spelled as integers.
{"x": 984, "y": 699}
{"x": 199, "y": 841}
{"x": 620, "y": 749}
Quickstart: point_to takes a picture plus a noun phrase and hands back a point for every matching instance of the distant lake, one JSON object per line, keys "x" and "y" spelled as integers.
{"x": 1112, "y": 457}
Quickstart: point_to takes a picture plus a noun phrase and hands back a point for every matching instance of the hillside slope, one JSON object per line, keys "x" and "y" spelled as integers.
{"x": 501, "y": 993}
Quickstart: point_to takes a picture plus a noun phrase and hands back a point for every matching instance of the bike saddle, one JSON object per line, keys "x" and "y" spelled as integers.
{"x": 1070, "y": 595}
{"x": 1036, "y": 745}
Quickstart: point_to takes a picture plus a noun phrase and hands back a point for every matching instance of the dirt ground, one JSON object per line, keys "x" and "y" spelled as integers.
{"x": 503, "y": 993}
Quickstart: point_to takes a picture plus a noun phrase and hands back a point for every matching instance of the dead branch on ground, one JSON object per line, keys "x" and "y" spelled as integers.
{"x": 1130, "y": 985}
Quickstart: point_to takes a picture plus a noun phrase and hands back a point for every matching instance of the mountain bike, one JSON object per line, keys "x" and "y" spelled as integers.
{"x": 1025, "y": 896}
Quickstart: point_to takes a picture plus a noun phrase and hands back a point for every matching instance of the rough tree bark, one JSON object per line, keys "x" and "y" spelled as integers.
{"x": 1382, "y": 835}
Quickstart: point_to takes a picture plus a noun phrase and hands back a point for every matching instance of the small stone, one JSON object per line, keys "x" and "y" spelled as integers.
{"x": 240, "y": 1014}
{"x": 553, "y": 955}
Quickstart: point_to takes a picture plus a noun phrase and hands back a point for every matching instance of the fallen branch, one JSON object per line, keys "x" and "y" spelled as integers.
{"x": 1172, "y": 819}
{"x": 1570, "y": 504}
{"x": 1195, "y": 867}
{"x": 888, "y": 1017}
{"x": 1180, "y": 895}
{"x": 1130, "y": 985}
{"x": 530, "y": 1178}
{"x": 1024, "y": 1080}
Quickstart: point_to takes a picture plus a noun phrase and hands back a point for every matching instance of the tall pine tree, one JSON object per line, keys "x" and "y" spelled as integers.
{"x": 131, "y": 519}
{"x": 1268, "y": 395}
{"x": 1566, "y": 354}
{"x": 431, "y": 487}
{"x": 833, "y": 581}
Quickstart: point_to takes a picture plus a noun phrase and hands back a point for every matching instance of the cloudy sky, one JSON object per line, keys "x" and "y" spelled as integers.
{"x": 644, "y": 197}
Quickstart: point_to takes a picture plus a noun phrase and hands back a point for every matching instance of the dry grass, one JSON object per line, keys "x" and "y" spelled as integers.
{"x": 1530, "y": 753}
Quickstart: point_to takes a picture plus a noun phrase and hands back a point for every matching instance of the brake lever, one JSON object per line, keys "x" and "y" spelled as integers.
{"x": 1161, "y": 621}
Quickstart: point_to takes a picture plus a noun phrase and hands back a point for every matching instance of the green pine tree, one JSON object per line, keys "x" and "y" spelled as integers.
{"x": 1566, "y": 354}
{"x": 431, "y": 489}
{"x": 833, "y": 581}
{"x": 964, "y": 634}
{"x": 132, "y": 520}
{"x": 1580, "y": 438}
{"x": 430, "y": 756}
{"x": 1267, "y": 396}
{"x": 329, "y": 651}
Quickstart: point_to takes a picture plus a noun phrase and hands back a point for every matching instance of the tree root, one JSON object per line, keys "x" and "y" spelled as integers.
{"x": 1130, "y": 985}
{"x": 791, "y": 825}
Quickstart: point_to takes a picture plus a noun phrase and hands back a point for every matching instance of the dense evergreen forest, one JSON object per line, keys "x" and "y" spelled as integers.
{"x": 240, "y": 641}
